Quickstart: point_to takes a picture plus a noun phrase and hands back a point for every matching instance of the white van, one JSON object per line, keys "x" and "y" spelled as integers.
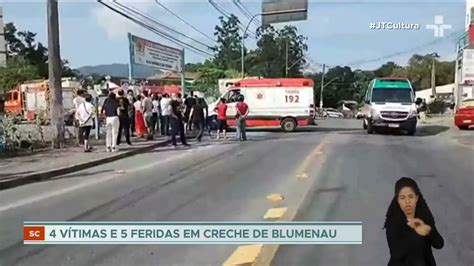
{"x": 390, "y": 103}
{"x": 286, "y": 103}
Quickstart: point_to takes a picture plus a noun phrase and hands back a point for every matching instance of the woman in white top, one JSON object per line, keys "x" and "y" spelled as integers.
{"x": 85, "y": 115}
{"x": 156, "y": 113}
{"x": 165, "y": 114}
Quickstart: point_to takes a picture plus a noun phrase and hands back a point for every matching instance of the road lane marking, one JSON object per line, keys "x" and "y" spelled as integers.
{"x": 275, "y": 213}
{"x": 275, "y": 197}
{"x": 244, "y": 255}
{"x": 266, "y": 253}
{"x": 302, "y": 176}
{"x": 51, "y": 194}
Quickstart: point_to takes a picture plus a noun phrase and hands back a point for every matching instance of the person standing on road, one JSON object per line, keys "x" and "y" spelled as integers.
{"x": 242, "y": 112}
{"x": 140, "y": 128}
{"x": 156, "y": 113}
{"x": 165, "y": 114}
{"x": 112, "y": 121}
{"x": 131, "y": 99}
{"x": 197, "y": 117}
{"x": 221, "y": 110}
{"x": 189, "y": 102}
{"x": 148, "y": 114}
{"x": 124, "y": 109}
{"x": 176, "y": 120}
{"x": 423, "y": 109}
{"x": 77, "y": 101}
{"x": 410, "y": 227}
{"x": 85, "y": 114}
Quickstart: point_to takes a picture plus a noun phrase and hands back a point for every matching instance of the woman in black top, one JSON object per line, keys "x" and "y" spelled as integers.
{"x": 410, "y": 227}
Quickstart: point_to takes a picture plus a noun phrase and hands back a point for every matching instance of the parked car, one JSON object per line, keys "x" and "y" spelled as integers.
{"x": 464, "y": 117}
{"x": 332, "y": 113}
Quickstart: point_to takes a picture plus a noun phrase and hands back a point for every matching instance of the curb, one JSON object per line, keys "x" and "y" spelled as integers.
{"x": 45, "y": 175}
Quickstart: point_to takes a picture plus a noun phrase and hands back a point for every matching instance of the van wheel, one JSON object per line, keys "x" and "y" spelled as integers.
{"x": 370, "y": 128}
{"x": 463, "y": 127}
{"x": 288, "y": 124}
{"x": 364, "y": 124}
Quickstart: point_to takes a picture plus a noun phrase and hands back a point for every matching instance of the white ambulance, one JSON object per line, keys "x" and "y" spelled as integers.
{"x": 287, "y": 103}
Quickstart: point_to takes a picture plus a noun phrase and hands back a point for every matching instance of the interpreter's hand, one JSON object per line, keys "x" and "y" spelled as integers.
{"x": 419, "y": 226}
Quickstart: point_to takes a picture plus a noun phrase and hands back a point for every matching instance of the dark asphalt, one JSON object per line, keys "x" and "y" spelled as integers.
{"x": 229, "y": 182}
{"x": 357, "y": 183}
{"x": 226, "y": 181}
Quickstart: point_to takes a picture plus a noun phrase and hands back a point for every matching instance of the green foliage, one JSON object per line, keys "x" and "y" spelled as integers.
{"x": 15, "y": 73}
{"x": 228, "y": 49}
{"x": 26, "y": 59}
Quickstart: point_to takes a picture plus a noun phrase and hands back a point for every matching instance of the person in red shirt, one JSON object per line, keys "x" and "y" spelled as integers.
{"x": 242, "y": 112}
{"x": 221, "y": 109}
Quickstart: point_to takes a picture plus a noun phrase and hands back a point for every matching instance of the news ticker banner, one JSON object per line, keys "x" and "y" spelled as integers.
{"x": 192, "y": 233}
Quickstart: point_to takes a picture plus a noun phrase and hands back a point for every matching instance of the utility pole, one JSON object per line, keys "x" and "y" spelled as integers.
{"x": 54, "y": 72}
{"x": 433, "y": 78}
{"x": 322, "y": 88}
{"x": 286, "y": 58}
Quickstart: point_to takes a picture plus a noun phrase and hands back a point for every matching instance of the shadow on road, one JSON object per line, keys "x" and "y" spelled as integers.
{"x": 424, "y": 131}
{"x": 303, "y": 129}
{"x": 431, "y": 130}
{"x": 81, "y": 174}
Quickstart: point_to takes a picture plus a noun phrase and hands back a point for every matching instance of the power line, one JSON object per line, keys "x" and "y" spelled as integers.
{"x": 156, "y": 31}
{"x": 228, "y": 14}
{"x": 184, "y": 21}
{"x": 138, "y": 12}
{"x": 246, "y": 12}
{"x": 411, "y": 50}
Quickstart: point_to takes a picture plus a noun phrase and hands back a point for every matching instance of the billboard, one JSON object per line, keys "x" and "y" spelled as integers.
{"x": 297, "y": 10}
{"x": 152, "y": 54}
{"x": 467, "y": 76}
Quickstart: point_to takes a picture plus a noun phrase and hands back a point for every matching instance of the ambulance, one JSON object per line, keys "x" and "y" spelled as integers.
{"x": 283, "y": 102}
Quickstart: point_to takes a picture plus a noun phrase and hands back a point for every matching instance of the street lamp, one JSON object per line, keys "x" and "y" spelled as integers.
{"x": 244, "y": 35}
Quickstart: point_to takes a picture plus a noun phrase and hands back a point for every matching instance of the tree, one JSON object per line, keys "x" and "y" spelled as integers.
{"x": 228, "y": 48}
{"x": 16, "y": 73}
{"x": 269, "y": 59}
{"x": 386, "y": 69}
{"x": 22, "y": 46}
{"x": 289, "y": 40}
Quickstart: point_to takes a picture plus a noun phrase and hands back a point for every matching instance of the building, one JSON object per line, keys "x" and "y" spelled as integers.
{"x": 443, "y": 93}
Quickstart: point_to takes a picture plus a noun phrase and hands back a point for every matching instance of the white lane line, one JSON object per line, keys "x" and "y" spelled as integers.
{"x": 84, "y": 184}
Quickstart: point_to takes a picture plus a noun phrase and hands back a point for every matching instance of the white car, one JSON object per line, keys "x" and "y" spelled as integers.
{"x": 332, "y": 113}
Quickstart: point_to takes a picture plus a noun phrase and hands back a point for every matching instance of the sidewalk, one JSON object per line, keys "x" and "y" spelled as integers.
{"x": 21, "y": 170}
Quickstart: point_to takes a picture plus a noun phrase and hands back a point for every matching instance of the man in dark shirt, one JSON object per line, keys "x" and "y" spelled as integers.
{"x": 189, "y": 102}
{"x": 176, "y": 121}
{"x": 197, "y": 116}
{"x": 124, "y": 110}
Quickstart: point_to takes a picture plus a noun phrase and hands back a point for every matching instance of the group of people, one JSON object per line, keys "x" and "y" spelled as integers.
{"x": 144, "y": 115}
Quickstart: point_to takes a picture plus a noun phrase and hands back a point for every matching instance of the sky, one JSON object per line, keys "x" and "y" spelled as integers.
{"x": 338, "y": 31}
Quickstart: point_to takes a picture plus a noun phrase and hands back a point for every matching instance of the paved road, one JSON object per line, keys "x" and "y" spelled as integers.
{"x": 229, "y": 182}
{"x": 357, "y": 183}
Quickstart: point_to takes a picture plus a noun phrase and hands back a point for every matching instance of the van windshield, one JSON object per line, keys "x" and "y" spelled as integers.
{"x": 392, "y": 95}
